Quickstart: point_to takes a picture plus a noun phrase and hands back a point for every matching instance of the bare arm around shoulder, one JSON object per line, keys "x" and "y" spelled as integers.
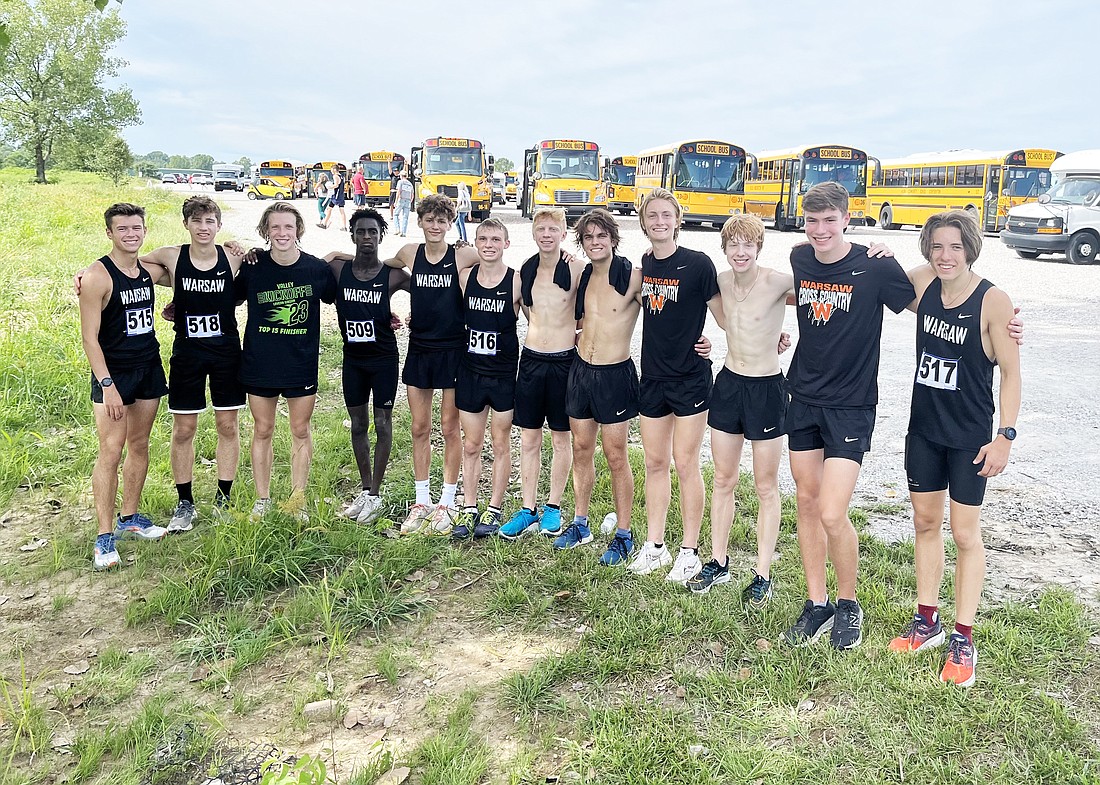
{"x": 465, "y": 257}
{"x": 996, "y": 312}
{"x": 404, "y": 257}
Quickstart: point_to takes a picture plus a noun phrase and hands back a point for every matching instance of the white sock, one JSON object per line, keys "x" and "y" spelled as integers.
{"x": 424, "y": 492}
{"x": 447, "y": 498}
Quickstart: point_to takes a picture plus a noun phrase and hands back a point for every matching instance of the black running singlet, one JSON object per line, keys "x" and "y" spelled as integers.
{"x": 363, "y": 309}
{"x": 435, "y": 300}
{"x": 953, "y": 384}
{"x": 126, "y": 328}
{"x": 492, "y": 346}
{"x": 205, "y": 302}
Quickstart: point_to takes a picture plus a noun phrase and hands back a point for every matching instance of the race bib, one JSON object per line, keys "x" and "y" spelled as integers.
{"x": 139, "y": 321}
{"x": 940, "y": 373}
{"x": 483, "y": 343}
{"x": 204, "y": 326}
{"x": 361, "y": 332}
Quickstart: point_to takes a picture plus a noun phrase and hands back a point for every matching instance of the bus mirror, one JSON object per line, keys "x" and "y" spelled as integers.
{"x": 989, "y": 196}
{"x": 416, "y": 172}
{"x": 1044, "y": 198}
{"x": 754, "y": 170}
{"x": 536, "y": 176}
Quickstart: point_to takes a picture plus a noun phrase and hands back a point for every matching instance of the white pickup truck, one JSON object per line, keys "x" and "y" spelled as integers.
{"x": 1066, "y": 219}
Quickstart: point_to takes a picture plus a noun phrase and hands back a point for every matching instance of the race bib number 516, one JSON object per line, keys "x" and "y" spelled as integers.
{"x": 940, "y": 373}
{"x": 483, "y": 342}
{"x": 139, "y": 321}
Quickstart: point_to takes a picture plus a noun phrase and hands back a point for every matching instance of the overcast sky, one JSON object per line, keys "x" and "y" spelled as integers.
{"x": 330, "y": 79}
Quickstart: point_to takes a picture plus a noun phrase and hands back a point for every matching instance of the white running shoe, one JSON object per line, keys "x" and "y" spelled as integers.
{"x": 649, "y": 558}
{"x": 183, "y": 518}
{"x": 352, "y": 511}
{"x": 260, "y": 508}
{"x": 418, "y": 516}
{"x": 442, "y": 520}
{"x": 686, "y": 566}
{"x": 371, "y": 510}
{"x": 610, "y": 524}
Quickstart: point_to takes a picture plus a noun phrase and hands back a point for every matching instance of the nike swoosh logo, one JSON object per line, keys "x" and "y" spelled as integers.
{"x": 850, "y": 439}
{"x": 502, "y": 292}
{"x": 965, "y": 315}
{"x": 700, "y": 403}
{"x": 309, "y": 386}
{"x": 769, "y": 430}
{"x": 446, "y": 266}
{"x": 376, "y": 286}
{"x": 617, "y": 414}
{"x": 682, "y": 267}
{"x": 858, "y": 272}
{"x": 221, "y": 272}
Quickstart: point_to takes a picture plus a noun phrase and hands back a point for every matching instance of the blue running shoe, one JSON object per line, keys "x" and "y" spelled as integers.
{"x": 487, "y": 524}
{"x": 575, "y": 534}
{"x": 618, "y": 550}
{"x": 138, "y": 527}
{"x": 550, "y": 522}
{"x": 106, "y": 555}
{"x": 463, "y": 525}
{"x": 522, "y": 522}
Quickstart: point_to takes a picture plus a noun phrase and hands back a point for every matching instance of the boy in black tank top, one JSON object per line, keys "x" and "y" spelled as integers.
{"x": 951, "y": 447}
{"x": 436, "y": 340}
{"x": 487, "y": 375}
{"x": 364, "y": 286}
{"x": 117, "y": 330}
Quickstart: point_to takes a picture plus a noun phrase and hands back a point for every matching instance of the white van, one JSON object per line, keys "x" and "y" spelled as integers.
{"x": 1066, "y": 219}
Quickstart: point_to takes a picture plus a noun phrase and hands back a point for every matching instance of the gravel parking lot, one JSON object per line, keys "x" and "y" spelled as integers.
{"x": 1040, "y": 519}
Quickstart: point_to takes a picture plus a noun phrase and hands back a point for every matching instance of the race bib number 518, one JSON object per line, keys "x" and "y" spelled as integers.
{"x": 204, "y": 326}
{"x": 940, "y": 373}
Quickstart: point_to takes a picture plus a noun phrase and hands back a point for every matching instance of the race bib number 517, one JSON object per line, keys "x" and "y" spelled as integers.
{"x": 940, "y": 373}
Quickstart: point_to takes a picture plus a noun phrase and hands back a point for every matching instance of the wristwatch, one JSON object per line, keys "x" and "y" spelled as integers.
{"x": 107, "y": 381}
{"x": 1009, "y": 433}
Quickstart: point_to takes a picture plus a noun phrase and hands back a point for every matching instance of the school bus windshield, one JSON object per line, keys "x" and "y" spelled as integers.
{"x": 574, "y": 164}
{"x": 621, "y": 175}
{"x": 453, "y": 161}
{"x": 1025, "y": 181}
{"x": 718, "y": 173}
{"x": 376, "y": 170}
{"x": 853, "y": 176}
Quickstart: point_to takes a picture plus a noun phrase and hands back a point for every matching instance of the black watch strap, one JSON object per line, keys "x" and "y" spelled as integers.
{"x": 1009, "y": 433}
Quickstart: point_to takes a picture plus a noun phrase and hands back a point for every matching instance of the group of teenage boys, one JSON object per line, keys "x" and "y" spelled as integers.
{"x": 574, "y": 374}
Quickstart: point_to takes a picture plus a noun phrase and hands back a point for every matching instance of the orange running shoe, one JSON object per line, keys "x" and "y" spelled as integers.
{"x": 917, "y": 635}
{"x": 962, "y": 662}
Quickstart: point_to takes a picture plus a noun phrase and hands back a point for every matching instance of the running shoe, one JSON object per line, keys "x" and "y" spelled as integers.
{"x": 183, "y": 518}
{"x": 710, "y": 574}
{"x": 260, "y": 508}
{"x": 441, "y": 521}
{"x": 609, "y": 524}
{"x": 962, "y": 662}
{"x": 488, "y": 523}
{"x": 847, "y": 632}
{"x": 352, "y": 510}
{"x": 618, "y": 549}
{"x": 371, "y": 511}
{"x": 687, "y": 565}
{"x": 522, "y": 522}
{"x": 418, "y": 516}
{"x": 813, "y": 622}
{"x": 918, "y": 635}
{"x": 649, "y": 558}
{"x": 105, "y": 555}
{"x": 575, "y": 534}
{"x": 138, "y": 527}
{"x": 463, "y": 524}
{"x": 550, "y": 521}
{"x": 758, "y": 592}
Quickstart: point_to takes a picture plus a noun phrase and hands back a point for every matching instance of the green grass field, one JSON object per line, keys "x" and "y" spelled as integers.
{"x": 498, "y": 662}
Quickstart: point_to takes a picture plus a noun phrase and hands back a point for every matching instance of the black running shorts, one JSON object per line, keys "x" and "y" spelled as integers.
{"x": 541, "y": 387}
{"x": 286, "y": 392}
{"x": 363, "y": 383}
{"x": 932, "y": 467}
{"x": 475, "y": 391}
{"x": 841, "y": 433}
{"x": 607, "y": 394}
{"x": 751, "y": 405}
{"x": 188, "y": 370}
{"x": 681, "y": 397}
{"x": 135, "y": 384}
{"x": 431, "y": 370}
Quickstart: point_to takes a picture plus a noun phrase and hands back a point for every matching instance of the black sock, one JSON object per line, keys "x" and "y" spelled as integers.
{"x": 184, "y": 491}
{"x": 530, "y": 510}
{"x": 554, "y": 507}
{"x": 724, "y": 564}
{"x": 224, "y": 487}
{"x": 658, "y": 545}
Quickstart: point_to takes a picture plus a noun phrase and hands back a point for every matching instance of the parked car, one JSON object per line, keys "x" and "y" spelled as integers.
{"x": 498, "y": 189}
{"x": 267, "y": 189}
{"x": 169, "y": 177}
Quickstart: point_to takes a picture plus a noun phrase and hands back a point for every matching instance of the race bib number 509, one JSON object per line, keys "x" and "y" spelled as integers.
{"x": 940, "y": 373}
{"x": 361, "y": 332}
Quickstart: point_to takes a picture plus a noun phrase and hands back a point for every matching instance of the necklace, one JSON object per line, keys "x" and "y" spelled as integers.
{"x": 952, "y": 302}
{"x": 754, "y": 280}
{"x": 130, "y": 271}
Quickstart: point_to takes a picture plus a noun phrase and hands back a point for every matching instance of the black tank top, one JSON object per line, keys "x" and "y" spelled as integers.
{"x": 363, "y": 309}
{"x": 205, "y": 303}
{"x": 435, "y": 300}
{"x": 492, "y": 347}
{"x": 126, "y": 331}
{"x": 953, "y": 384}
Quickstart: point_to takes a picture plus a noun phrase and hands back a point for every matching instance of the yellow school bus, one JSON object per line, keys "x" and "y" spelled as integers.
{"x": 619, "y": 174}
{"x": 281, "y": 172}
{"x": 561, "y": 173}
{"x": 377, "y": 170}
{"x": 325, "y": 168}
{"x": 780, "y": 178}
{"x": 511, "y": 185}
{"x": 985, "y": 184}
{"x": 442, "y": 162}
{"x": 706, "y": 176}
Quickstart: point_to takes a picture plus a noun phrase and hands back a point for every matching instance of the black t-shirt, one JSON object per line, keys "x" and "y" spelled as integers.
{"x": 283, "y": 334}
{"x": 839, "y": 309}
{"x": 675, "y": 292}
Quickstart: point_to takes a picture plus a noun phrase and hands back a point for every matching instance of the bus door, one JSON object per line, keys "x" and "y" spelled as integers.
{"x": 992, "y": 198}
{"x": 526, "y": 196}
{"x": 792, "y": 181}
{"x": 416, "y": 169}
{"x": 668, "y": 171}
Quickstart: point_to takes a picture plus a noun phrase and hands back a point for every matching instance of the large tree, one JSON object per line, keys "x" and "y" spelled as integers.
{"x": 202, "y": 161}
{"x": 52, "y": 77}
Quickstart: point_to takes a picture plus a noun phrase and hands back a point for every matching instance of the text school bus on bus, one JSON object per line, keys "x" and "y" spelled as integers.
{"x": 324, "y": 168}
{"x": 442, "y": 162}
{"x": 985, "y": 184}
{"x": 562, "y": 173}
{"x": 377, "y": 170}
{"x": 780, "y": 178}
{"x": 619, "y": 174}
{"x": 706, "y": 176}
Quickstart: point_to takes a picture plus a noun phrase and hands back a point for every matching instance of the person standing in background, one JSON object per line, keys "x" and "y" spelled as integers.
{"x": 463, "y": 204}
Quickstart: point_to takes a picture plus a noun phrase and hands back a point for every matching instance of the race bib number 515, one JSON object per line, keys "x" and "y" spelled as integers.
{"x": 940, "y": 373}
{"x": 139, "y": 321}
